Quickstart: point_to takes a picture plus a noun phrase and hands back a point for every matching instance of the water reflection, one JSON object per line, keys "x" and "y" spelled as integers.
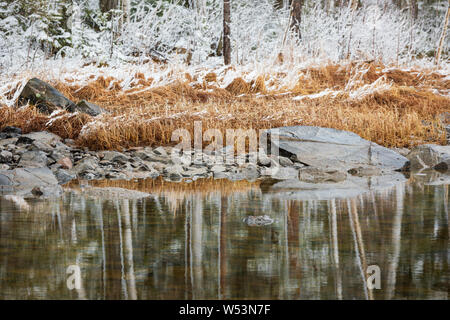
{"x": 191, "y": 243}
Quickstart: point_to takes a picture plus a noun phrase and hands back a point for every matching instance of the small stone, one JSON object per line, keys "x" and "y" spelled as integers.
{"x": 258, "y": 221}
{"x": 24, "y": 140}
{"x": 6, "y": 157}
{"x": 263, "y": 160}
{"x": 285, "y": 162}
{"x": 115, "y": 156}
{"x": 37, "y": 192}
{"x": 65, "y": 163}
{"x": 218, "y": 168}
{"x": 161, "y": 151}
{"x": 64, "y": 176}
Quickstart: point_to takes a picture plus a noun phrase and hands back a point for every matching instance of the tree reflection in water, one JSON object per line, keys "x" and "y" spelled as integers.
{"x": 195, "y": 245}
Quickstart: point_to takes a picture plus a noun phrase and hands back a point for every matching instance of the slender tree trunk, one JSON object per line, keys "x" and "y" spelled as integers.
{"x": 226, "y": 32}
{"x": 443, "y": 35}
{"x": 107, "y": 5}
{"x": 126, "y": 10}
{"x": 414, "y": 9}
{"x": 296, "y": 16}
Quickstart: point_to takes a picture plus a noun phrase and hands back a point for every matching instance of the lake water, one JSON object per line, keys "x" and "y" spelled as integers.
{"x": 189, "y": 241}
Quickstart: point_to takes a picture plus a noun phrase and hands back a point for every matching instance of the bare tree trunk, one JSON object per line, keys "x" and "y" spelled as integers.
{"x": 126, "y": 10}
{"x": 200, "y": 7}
{"x": 414, "y": 9}
{"x": 443, "y": 34}
{"x": 296, "y": 16}
{"x": 226, "y": 32}
{"x": 107, "y": 5}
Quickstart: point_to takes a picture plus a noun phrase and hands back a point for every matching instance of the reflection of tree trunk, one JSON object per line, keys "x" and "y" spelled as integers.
{"x": 187, "y": 253}
{"x": 99, "y": 214}
{"x": 359, "y": 245}
{"x": 396, "y": 240}
{"x": 197, "y": 246}
{"x": 293, "y": 241}
{"x": 222, "y": 247}
{"x": 112, "y": 266}
{"x": 128, "y": 249}
{"x": 334, "y": 234}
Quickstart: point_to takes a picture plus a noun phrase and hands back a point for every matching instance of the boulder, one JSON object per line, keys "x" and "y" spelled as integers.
{"x": 428, "y": 156}
{"x": 45, "y": 97}
{"x": 87, "y": 107}
{"x": 23, "y": 180}
{"x": 332, "y": 149}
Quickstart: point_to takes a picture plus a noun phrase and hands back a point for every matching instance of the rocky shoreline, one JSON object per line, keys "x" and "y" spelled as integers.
{"x": 38, "y": 163}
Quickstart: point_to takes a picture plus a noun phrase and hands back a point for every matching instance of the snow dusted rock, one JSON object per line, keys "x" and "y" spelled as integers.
{"x": 87, "y": 107}
{"x": 332, "y": 149}
{"x": 427, "y": 156}
{"x": 46, "y": 98}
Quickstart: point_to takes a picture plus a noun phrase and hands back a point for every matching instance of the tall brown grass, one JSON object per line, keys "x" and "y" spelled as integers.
{"x": 403, "y": 115}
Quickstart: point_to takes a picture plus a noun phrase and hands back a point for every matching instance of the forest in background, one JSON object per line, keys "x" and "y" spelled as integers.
{"x": 111, "y": 32}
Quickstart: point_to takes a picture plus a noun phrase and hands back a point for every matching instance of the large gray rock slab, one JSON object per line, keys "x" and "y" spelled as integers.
{"x": 45, "y": 97}
{"x": 427, "y": 156}
{"x": 22, "y": 181}
{"x": 332, "y": 149}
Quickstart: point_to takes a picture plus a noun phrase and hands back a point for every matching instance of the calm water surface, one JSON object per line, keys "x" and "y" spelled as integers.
{"x": 190, "y": 242}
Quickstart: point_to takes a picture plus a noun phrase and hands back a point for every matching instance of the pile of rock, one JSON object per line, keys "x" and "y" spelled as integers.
{"x": 309, "y": 157}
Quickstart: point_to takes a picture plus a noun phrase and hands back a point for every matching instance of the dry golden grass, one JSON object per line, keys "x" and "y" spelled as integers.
{"x": 403, "y": 113}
